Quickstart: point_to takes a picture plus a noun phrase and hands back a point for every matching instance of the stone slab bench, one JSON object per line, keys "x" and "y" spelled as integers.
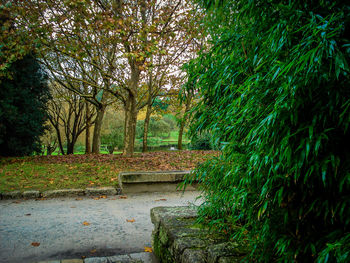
{"x": 160, "y": 181}
{"x": 177, "y": 238}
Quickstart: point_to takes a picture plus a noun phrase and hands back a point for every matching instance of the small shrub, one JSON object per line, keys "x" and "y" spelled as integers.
{"x": 203, "y": 141}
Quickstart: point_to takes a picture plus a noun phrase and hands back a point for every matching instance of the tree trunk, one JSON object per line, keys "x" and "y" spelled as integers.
{"x": 96, "y": 141}
{"x": 181, "y": 131}
{"x": 87, "y": 131}
{"x": 130, "y": 125}
{"x": 70, "y": 147}
{"x": 131, "y": 111}
{"x": 183, "y": 121}
{"x": 145, "y": 127}
{"x": 60, "y": 144}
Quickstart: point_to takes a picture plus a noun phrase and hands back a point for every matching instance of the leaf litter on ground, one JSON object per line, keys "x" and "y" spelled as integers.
{"x": 51, "y": 172}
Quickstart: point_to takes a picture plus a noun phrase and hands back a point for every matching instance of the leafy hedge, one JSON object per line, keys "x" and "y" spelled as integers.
{"x": 275, "y": 83}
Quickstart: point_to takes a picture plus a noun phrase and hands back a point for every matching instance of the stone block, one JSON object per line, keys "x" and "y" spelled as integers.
{"x": 143, "y": 257}
{"x": 96, "y": 260}
{"x": 63, "y": 193}
{"x": 175, "y": 233}
{"x": 153, "y": 187}
{"x": 179, "y": 245}
{"x": 178, "y": 239}
{"x": 119, "y": 259}
{"x": 100, "y": 191}
{"x": 193, "y": 256}
{"x": 226, "y": 249}
{"x": 156, "y": 177}
{"x": 12, "y": 195}
{"x": 31, "y": 194}
{"x": 158, "y": 214}
{"x": 233, "y": 259}
{"x": 72, "y": 261}
{"x": 161, "y": 181}
{"x": 172, "y": 222}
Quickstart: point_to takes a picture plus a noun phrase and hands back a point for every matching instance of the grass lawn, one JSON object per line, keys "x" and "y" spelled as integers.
{"x": 81, "y": 171}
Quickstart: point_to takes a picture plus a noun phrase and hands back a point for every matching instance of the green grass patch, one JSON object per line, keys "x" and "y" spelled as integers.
{"x": 48, "y": 176}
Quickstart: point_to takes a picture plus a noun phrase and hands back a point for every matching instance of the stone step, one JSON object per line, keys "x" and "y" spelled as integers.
{"x": 159, "y": 181}
{"x": 178, "y": 238}
{"x": 143, "y": 257}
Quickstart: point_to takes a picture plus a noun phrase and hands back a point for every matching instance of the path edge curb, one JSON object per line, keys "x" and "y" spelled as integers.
{"x": 33, "y": 194}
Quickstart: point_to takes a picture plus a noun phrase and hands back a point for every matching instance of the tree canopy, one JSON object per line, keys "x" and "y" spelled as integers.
{"x": 128, "y": 49}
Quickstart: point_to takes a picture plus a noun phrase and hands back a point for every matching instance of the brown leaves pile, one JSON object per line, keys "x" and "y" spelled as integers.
{"x": 163, "y": 160}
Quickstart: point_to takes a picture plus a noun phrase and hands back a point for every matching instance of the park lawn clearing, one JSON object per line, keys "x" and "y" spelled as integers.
{"x": 81, "y": 171}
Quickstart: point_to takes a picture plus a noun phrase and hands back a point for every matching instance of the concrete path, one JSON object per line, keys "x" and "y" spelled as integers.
{"x": 80, "y": 227}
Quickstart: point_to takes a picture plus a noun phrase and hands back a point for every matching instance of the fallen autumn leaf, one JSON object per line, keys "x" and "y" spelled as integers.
{"x": 86, "y": 223}
{"x": 130, "y": 220}
{"x": 148, "y": 249}
{"x": 35, "y": 244}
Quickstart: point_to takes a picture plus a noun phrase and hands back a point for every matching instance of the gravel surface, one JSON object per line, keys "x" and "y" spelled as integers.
{"x": 80, "y": 227}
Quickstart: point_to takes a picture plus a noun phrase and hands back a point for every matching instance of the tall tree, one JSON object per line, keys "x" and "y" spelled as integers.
{"x": 23, "y": 108}
{"x": 67, "y": 114}
{"x": 85, "y": 82}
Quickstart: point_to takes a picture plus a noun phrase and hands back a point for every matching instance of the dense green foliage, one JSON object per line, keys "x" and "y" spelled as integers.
{"x": 275, "y": 85}
{"x": 114, "y": 138}
{"x": 203, "y": 141}
{"x": 157, "y": 128}
{"x": 23, "y": 114}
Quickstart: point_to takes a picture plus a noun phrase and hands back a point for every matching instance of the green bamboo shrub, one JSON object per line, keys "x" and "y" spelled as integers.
{"x": 275, "y": 87}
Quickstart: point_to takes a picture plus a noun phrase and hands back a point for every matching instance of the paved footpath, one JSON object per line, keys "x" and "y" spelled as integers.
{"x": 68, "y": 228}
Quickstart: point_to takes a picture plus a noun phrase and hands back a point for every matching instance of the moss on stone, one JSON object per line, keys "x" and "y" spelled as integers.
{"x": 163, "y": 237}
